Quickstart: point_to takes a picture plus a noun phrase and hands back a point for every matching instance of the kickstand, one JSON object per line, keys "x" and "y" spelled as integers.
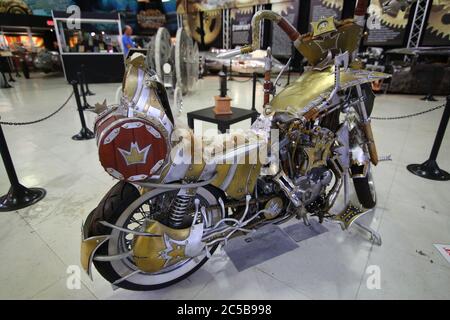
{"x": 374, "y": 235}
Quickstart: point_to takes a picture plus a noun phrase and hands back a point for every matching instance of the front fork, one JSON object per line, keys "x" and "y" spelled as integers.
{"x": 366, "y": 125}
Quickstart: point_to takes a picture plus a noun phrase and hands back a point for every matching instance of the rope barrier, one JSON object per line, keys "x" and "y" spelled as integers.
{"x": 409, "y": 115}
{"x": 241, "y": 81}
{"x": 9, "y": 123}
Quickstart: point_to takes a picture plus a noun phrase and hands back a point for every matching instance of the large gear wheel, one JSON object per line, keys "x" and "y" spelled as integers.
{"x": 397, "y": 19}
{"x": 335, "y": 4}
{"x": 240, "y": 10}
{"x": 439, "y": 20}
{"x": 212, "y": 24}
{"x": 283, "y": 8}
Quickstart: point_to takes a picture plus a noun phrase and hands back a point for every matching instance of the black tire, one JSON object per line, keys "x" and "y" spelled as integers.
{"x": 109, "y": 209}
{"x": 118, "y": 198}
{"x": 366, "y": 195}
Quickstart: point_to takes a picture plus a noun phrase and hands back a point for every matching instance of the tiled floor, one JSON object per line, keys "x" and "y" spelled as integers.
{"x": 38, "y": 243}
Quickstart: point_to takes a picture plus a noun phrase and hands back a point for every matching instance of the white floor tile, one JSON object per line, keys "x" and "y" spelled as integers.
{"x": 414, "y": 230}
{"x": 59, "y": 290}
{"x": 328, "y": 266}
{"x": 28, "y": 264}
{"x": 253, "y": 283}
{"x": 405, "y": 276}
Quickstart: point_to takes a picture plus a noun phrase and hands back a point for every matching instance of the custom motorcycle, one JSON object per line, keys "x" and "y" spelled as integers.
{"x": 180, "y": 196}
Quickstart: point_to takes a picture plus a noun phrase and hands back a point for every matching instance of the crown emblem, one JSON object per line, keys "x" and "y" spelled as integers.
{"x": 135, "y": 155}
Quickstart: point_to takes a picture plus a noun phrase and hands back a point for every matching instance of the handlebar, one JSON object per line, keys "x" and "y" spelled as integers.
{"x": 284, "y": 24}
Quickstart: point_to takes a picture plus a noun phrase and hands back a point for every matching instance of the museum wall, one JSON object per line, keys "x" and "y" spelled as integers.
{"x": 205, "y": 16}
{"x": 144, "y": 17}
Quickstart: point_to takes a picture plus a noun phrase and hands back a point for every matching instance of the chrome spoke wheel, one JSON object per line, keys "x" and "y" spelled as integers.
{"x": 154, "y": 205}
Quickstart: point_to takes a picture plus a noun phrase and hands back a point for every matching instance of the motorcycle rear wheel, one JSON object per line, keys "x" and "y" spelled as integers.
{"x": 113, "y": 208}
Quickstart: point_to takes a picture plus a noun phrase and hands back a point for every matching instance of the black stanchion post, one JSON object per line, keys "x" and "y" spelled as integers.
{"x": 80, "y": 81}
{"x": 223, "y": 84}
{"x": 83, "y": 71}
{"x": 224, "y": 69}
{"x": 18, "y": 196}
{"x": 254, "y": 91}
{"x": 429, "y": 96}
{"x": 5, "y": 81}
{"x": 11, "y": 69}
{"x": 85, "y": 133}
{"x": 430, "y": 169}
{"x": 434, "y": 73}
{"x": 25, "y": 69}
{"x": 230, "y": 77}
{"x": 16, "y": 69}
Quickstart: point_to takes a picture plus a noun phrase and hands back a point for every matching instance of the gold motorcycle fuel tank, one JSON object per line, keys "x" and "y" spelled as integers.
{"x": 314, "y": 86}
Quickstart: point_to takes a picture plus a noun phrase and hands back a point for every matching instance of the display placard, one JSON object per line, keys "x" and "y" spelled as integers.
{"x": 437, "y": 32}
{"x": 241, "y": 19}
{"x": 281, "y": 45}
{"x": 385, "y": 28}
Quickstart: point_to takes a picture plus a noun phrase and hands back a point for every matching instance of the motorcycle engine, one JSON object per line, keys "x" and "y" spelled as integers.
{"x": 310, "y": 186}
{"x": 303, "y": 155}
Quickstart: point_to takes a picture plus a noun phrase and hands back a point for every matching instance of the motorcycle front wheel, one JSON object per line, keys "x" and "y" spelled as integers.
{"x": 365, "y": 190}
{"x": 123, "y": 206}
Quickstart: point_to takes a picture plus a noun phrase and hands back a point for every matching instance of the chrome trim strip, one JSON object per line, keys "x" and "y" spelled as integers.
{"x": 208, "y": 171}
{"x": 176, "y": 172}
{"x": 138, "y": 233}
{"x": 230, "y": 175}
{"x": 139, "y": 86}
{"x": 142, "y": 100}
{"x": 114, "y": 257}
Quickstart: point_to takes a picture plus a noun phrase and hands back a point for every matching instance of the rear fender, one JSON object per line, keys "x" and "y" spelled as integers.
{"x": 89, "y": 246}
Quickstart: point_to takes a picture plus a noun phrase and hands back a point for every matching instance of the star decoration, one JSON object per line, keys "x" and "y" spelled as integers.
{"x": 174, "y": 252}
